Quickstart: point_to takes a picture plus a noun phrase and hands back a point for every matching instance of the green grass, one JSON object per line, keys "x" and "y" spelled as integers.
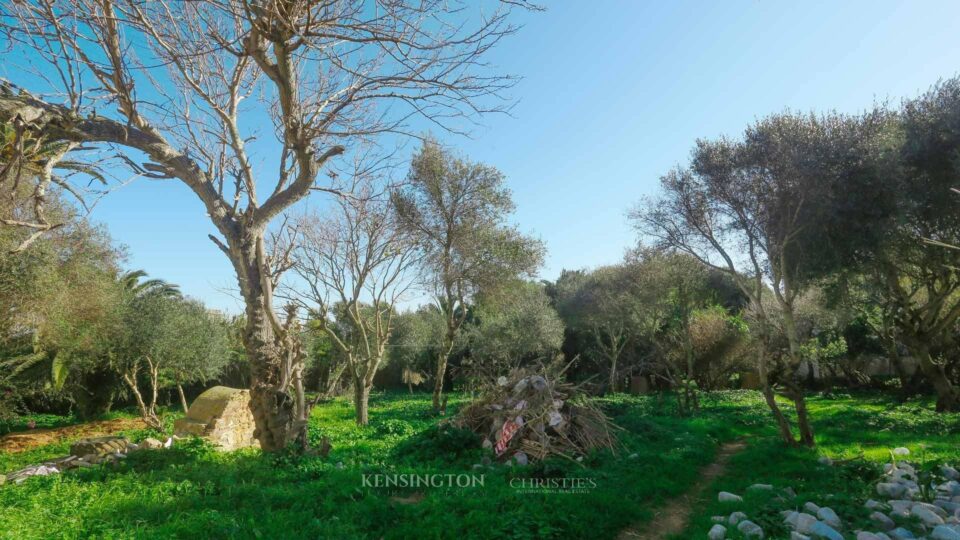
{"x": 193, "y": 491}
{"x": 847, "y": 428}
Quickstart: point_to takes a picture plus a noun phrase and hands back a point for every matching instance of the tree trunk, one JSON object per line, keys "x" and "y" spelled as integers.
{"x": 183, "y": 399}
{"x": 147, "y": 412}
{"x": 613, "y": 374}
{"x": 361, "y": 400}
{"x": 948, "y": 397}
{"x": 438, "y": 380}
{"x": 796, "y": 390}
{"x": 333, "y": 379}
{"x": 274, "y": 408}
{"x": 786, "y": 434}
{"x": 803, "y": 417}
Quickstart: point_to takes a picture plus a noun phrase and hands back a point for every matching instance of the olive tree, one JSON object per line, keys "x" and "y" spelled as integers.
{"x": 514, "y": 327}
{"x": 755, "y": 209}
{"x": 457, "y": 209}
{"x": 181, "y": 88}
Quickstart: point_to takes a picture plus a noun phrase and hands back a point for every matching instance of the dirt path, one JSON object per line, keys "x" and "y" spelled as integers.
{"x": 673, "y": 517}
{"x": 25, "y": 440}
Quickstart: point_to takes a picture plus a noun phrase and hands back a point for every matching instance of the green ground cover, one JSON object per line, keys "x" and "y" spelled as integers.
{"x": 193, "y": 491}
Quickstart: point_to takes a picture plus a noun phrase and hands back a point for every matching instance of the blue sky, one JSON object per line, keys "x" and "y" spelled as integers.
{"x": 614, "y": 94}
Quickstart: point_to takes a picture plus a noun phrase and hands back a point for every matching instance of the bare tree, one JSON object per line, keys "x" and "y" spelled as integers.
{"x": 353, "y": 268}
{"x": 183, "y": 86}
{"x": 30, "y": 169}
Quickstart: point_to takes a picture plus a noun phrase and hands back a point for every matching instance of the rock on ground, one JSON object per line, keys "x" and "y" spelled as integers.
{"x": 717, "y": 532}
{"x": 725, "y": 496}
{"x": 222, "y": 416}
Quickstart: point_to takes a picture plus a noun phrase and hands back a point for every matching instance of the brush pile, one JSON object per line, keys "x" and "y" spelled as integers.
{"x": 529, "y": 415}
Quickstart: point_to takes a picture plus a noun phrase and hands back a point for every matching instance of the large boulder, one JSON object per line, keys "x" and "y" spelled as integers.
{"x": 222, "y": 416}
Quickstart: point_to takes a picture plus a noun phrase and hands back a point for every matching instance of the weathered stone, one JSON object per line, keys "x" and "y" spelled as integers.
{"x": 892, "y": 490}
{"x": 750, "y": 529}
{"x": 150, "y": 444}
{"x": 717, "y": 532}
{"x": 948, "y": 506}
{"x": 725, "y": 496}
{"x": 950, "y": 473}
{"x": 800, "y": 521}
{"x": 828, "y": 516}
{"x": 222, "y": 416}
{"x": 872, "y": 504}
{"x": 760, "y": 487}
{"x": 864, "y": 535}
{"x": 824, "y": 460}
{"x": 933, "y": 508}
{"x": 927, "y": 516}
{"x": 945, "y": 532}
{"x": 99, "y": 446}
{"x": 736, "y": 517}
{"x": 797, "y": 536}
{"x": 882, "y": 521}
{"x": 822, "y": 530}
{"x": 901, "y": 534}
{"x": 811, "y": 507}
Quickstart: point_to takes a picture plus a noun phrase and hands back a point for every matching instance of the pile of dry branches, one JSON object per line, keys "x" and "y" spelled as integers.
{"x": 529, "y": 415}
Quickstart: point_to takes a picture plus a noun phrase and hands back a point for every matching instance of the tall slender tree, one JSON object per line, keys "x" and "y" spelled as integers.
{"x": 457, "y": 210}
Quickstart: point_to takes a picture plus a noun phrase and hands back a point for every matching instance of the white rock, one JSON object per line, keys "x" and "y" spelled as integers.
{"x": 797, "y": 536}
{"x": 828, "y": 516}
{"x": 824, "y": 460}
{"x": 950, "y": 473}
{"x": 881, "y": 520}
{"x": 901, "y": 534}
{"x": 726, "y": 496}
{"x": 900, "y": 508}
{"x": 822, "y": 530}
{"x": 750, "y": 529}
{"x": 901, "y": 451}
{"x": 948, "y": 506}
{"x": 872, "y": 504}
{"x": 945, "y": 532}
{"x": 864, "y": 535}
{"x": 717, "y": 532}
{"x": 760, "y": 487}
{"x": 150, "y": 444}
{"x": 891, "y": 490}
{"x": 933, "y": 508}
{"x": 800, "y": 521}
{"x": 811, "y": 507}
{"x": 736, "y": 517}
{"x": 927, "y": 516}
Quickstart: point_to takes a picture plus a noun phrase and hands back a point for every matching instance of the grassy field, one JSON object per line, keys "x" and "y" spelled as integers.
{"x": 193, "y": 491}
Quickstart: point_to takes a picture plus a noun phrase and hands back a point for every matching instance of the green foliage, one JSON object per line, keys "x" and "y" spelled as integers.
{"x": 513, "y": 327}
{"x": 192, "y": 491}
